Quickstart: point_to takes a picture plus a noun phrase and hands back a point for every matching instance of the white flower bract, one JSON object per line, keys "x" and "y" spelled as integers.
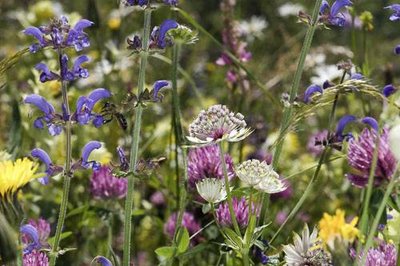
{"x": 211, "y": 190}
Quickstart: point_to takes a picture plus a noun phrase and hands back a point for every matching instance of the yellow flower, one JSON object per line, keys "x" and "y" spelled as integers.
{"x": 14, "y": 175}
{"x": 114, "y": 23}
{"x": 334, "y": 227}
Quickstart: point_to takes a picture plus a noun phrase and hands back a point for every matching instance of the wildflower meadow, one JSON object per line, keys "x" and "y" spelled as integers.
{"x": 199, "y": 132}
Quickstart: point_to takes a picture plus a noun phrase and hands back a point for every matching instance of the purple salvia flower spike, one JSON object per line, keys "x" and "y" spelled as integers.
{"x": 40, "y": 103}
{"x": 310, "y": 91}
{"x": 32, "y": 233}
{"x": 371, "y": 122}
{"x": 86, "y": 151}
{"x": 164, "y": 28}
{"x": 35, "y": 32}
{"x": 158, "y": 85}
{"x": 343, "y": 123}
{"x": 388, "y": 90}
{"x": 338, "y": 5}
{"x": 396, "y": 12}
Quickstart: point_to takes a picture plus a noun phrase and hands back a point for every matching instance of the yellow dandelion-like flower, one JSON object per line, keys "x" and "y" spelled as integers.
{"x": 334, "y": 227}
{"x": 14, "y": 175}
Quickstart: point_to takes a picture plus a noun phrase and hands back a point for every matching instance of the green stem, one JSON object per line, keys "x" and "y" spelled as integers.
{"x": 67, "y": 172}
{"x": 228, "y": 190}
{"x": 135, "y": 140}
{"x": 304, "y": 196}
{"x": 335, "y": 101}
{"x": 245, "y": 257}
{"x": 176, "y": 113}
{"x": 375, "y": 223}
{"x": 296, "y": 81}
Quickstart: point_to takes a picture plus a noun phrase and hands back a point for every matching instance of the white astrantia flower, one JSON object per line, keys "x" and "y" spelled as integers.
{"x": 216, "y": 124}
{"x": 306, "y": 250}
{"x": 394, "y": 141}
{"x": 260, "y": 175}
{"x": 211, "y": 190}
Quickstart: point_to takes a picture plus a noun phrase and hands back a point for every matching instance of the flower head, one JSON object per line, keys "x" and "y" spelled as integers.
{"x": 241, "y": 210}
{"x": 260, "y": 175}
{"x": 204, "y": 162}
{"x": 306, "y": 250}
{"x": 388, "y": 90}
{"x": 104, "y": 185}
{"x": 334, "y": 227}
{"x": 188, "y": 221}
{"x": 310, "y": 91}
{"x": 14, "y": 175}
{"x": 102, "y": 260}
{"x": 384, "y": 255}
{"x": 51, "y": 169}
{"x": 59, "y": 34}
{"x": 396, "y": 12}
{"x": 360, "y": 153}
{"x": 36, "y": 258}
{"x": 211, "y": 190}
{"x": 217, "y": 123}
{"x": 31, "y": 236}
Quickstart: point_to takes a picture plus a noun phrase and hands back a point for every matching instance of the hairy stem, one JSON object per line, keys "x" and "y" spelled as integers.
{"x": 67, "y": 171}
{"x": 135, "y": 141}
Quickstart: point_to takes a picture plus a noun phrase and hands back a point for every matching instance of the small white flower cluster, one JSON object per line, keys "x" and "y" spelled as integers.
{"x": 217, "y": 123}
{"x": 211, "y": 190}
{"x": 261, "y": 176}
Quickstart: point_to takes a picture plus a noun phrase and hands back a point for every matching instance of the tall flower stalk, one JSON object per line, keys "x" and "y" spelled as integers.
{"x": 135, "y": 140}
{"x": 67, "y": 171}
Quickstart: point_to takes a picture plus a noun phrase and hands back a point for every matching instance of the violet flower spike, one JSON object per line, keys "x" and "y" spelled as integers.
{"x": 167, "y": 25}
{"x": 388, "y": 90}
{"x": 46, "y": 74}
{"x": 310, "y": 91}
{"x": 85, "y": 105}
{"x": 396, "y": 12}
{"x": 158, "y": 85}
{"x": 32, "y": 233}
{"x": 333, "y": 16}
{"x": 86, "y": 151}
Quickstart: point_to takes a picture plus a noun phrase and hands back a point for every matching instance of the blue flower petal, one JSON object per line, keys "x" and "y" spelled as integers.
{"x": 96, "y": 95}
{"x": 388, "y": 90}
{"x": 396, "y": 12}
{"x": 164, "y": 28}
{"x": 158, "y": 85}
{"x": 42, "y": 156}
{"x": 357, "y": 76}
{"x": 77, "y": 69}
{"x": 32, "y": 232}
{"x": 311, "y": 90}
{"x": 82, "y": 24}
{"x": 35, "y": 32}
{"x": 371, "y": 122}
{"x": 89, "y": 147}
{"x": 40, "y": 103}
{"x": 338, "y": 5}
{"x": 103, "y": 261}
{"x": 343, "y": 123}
{"x": 324, "y": 6}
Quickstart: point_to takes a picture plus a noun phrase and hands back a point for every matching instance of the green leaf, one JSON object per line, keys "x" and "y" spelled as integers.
{"x": 165, "y": 252}
{"x": 232, "y": 239}
{"x": 249, "y": 231}
{"x": 78, "y": 210}
{"x": 183, "y": 240}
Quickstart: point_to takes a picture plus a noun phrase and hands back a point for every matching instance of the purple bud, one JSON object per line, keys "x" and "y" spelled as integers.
{"x": 371, "y": 122}
{"x": 310, "y": 91}
{"x": 86, "y": 151}
{"x": 388, "y": 90}
{"x": 54, "y": 129}
{"x": 98, "y": 121}
{"x": 327, "y": 84}
{"x": 324, "y": 6}
{"x": 103, "y": 261}
{"x": 164, "y": 28}
{"x": 38, "y": 123}
{"x": 357, "y": 76}
{"x": 46, "y": 74}
{"x": 122, "y": 159}
{"x": 40, "y": 103}
{"x": 33, "y": 235}
{"x": 158, "y": 85}
{"x": 397, "y": 49}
